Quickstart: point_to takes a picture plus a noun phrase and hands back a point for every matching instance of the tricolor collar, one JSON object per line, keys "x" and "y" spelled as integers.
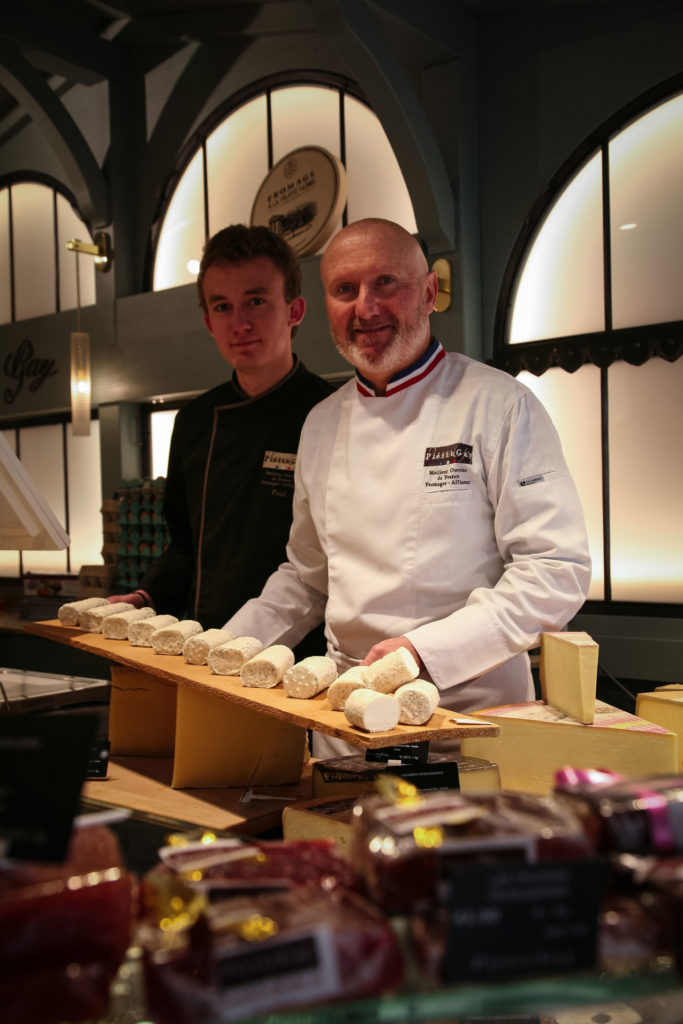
{"x": 405, "y": 378}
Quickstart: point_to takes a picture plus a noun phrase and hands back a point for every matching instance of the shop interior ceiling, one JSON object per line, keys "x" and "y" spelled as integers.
{"x": 69, "y": 41}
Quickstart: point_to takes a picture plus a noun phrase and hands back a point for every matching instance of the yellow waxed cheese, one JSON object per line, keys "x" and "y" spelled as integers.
{"x": 142, "y": 713}
{"x": 569, "y": 673}
{"x": 664, "y": 707}
{"x": 220, "y": 743}
{"x": 536, "y": 740}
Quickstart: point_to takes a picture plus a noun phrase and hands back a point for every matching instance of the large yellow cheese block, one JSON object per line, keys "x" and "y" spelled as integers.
{"x": 536, "y": 740}
{"x": 569, "y": 673}
{"x": 219, "y": 743}
{"x": 322, "y": 818}
{"x": 664, "y": 707}
{"x": 142, "y": 713}
{"x": 353, "y": 775}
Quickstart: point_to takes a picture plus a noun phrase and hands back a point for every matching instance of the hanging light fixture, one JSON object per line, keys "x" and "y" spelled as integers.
{"x": 81, "y": 380}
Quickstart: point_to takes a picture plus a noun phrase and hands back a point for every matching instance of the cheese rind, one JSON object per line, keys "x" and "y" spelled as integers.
{"x": 227, "y": 659}
{"x": 69, "y": 614}
{"x": 344, "y": 685}
{"x": 664, "y": 707}
{"x": 372, "y": 711}
{"x": 91, "y": 620}
{"x": 569, "y": 672}
{"x": 140, "y": 632}
{"x": 388, "y": 673}
{"x": 267, "y": 669}
{"x": 115, "y": 627}
{"x": 536, "y": 740}
{"x": 171, "y": 639}
{"x": 326, "y": 818}
{"x": 310, "y": 676}
{"x": 196, "y": 648}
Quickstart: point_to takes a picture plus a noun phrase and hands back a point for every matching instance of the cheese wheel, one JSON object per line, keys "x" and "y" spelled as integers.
{"x": 310, "y": 676}
{"x": 140, "y": 633}
{"x": 196, "y": 648}
{"x": 91, "y": 620}
{"x": 267, "y": 668}
{"x": 170, "y": 639}
{"x": 388, "y": 673}
{"x": 417, "y": 702}
{"x": 372, "y": 711}
{"x": 345, "y": 684}
{"x": 69, "y": 614}
{"x": 227, "y": 659}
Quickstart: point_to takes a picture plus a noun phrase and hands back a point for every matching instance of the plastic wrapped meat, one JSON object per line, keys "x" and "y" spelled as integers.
{"x": 249, "y": 955}
{"x": 64, "y": 930}
{"x": 227, "y": 865}
{"x": 406, "y": 848}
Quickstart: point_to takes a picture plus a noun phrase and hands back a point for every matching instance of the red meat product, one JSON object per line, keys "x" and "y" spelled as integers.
{"x": 250, "y": 955}
{"x": 407, "y": 851}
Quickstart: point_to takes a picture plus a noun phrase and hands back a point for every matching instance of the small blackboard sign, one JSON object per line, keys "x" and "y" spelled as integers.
{"x": 516, "y": 919}
{"x": 404, "y": 753}
{"x": 43, "y": 763}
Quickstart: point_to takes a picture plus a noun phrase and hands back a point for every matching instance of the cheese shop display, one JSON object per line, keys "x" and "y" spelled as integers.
{"x": 664, "y": 706}
{"x": 536, "y": 740}
{"x": 569, "y": 673}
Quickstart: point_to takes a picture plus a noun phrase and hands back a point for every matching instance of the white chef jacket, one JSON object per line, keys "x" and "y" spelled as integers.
{"x": 444, "y": 512}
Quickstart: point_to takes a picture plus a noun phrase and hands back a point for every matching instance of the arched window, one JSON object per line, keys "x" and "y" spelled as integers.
{"x": 37, "y": 272}
{"x": 591, "y": 318}
{"x": 222, "y": 173}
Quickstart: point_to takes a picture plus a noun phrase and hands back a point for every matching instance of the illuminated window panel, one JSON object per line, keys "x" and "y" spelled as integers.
{"x": 305, "y": 115}
{"x": 237, "y": 161}
{"x": 560, "y": 290}
{"x": 70, "y": 225}
{"x": 42, "y": 457}
{"x": 5, "y": 280}
{"x": 85, "y": 497}
{"x": 34, "y": 250}
{"x": 161, "y": 428}
{"x": 182, "y": 236}
{"x": 376, "y": 187}
{"x": 9, "y": 560}
{"x": 646, "y": 198}
{"x": 563, "y": 394}
{"x": 646, "y": 480}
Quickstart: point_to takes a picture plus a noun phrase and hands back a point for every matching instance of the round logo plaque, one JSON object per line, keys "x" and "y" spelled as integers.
{"x": 302, "y": 198}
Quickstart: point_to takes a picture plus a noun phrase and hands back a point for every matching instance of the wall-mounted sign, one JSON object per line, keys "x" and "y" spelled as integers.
{"x": 302, "y": 198}
{"x": 24, "y": 367}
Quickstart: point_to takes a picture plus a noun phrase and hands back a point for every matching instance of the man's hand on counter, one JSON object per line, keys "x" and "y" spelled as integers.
{"x": 387, "y": 646}
{"x": 139, "y": 599}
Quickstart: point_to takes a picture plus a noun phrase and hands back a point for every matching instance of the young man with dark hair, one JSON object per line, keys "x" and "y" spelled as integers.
{"x": 230, "y": 482}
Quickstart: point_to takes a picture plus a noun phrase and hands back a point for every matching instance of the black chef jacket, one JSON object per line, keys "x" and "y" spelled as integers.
{"x": 228, "y": 496}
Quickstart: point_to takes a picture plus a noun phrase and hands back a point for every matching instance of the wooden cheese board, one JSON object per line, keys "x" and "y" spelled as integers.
{"x": 314, "y": 713}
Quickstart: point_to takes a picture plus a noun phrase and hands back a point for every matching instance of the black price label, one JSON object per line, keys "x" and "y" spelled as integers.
{"x": 406, "y": 753}
{"x": 427, "y": 777}
{"x": 510, "y": 920}
{"x": 98, "y": 760}
{"x": 43, "y": 763}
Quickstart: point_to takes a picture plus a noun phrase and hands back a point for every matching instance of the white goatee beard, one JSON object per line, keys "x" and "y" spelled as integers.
{"x": 400, "y": 352}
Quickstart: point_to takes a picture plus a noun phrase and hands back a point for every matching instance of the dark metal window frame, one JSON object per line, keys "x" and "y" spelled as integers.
{"x": 634, "y": 345}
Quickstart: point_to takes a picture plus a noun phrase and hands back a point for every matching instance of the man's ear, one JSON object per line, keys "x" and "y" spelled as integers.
{"x": 297, "y": 309}
{"x": 431, "y": 290}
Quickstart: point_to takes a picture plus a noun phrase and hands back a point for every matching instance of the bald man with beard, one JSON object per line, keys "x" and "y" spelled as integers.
{"x": 433, "y": 509}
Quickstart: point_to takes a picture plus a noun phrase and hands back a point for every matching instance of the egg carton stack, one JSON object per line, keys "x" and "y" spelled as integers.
{"x": 142, "y": 532}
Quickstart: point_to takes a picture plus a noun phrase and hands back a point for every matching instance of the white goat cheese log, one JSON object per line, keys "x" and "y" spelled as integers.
{"x": 310, "y": 676}
{"x": 170, "y": 639}
{"x": 388, "y": 673}
{"x": 91, "y": 621}
{"x": 196, "y": 648}
{"x": 70, "y": 614}
{"x": 140, "y": 633}
{"x": 227, "y": 659}
{"x": 267, "y": 668}
{"x": 115, "y": 627}
{"x": 417, "y": 701}
{"x": 372, "y": 711}
{"x": 345, "y": 684}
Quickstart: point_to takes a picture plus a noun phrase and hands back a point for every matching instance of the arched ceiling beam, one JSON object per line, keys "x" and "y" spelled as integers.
{"x": 84, "y": 177}
{"x": 350, "y": 29}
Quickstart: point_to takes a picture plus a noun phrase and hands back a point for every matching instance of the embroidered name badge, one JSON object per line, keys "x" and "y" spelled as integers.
{"x": 446, "y": 468}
